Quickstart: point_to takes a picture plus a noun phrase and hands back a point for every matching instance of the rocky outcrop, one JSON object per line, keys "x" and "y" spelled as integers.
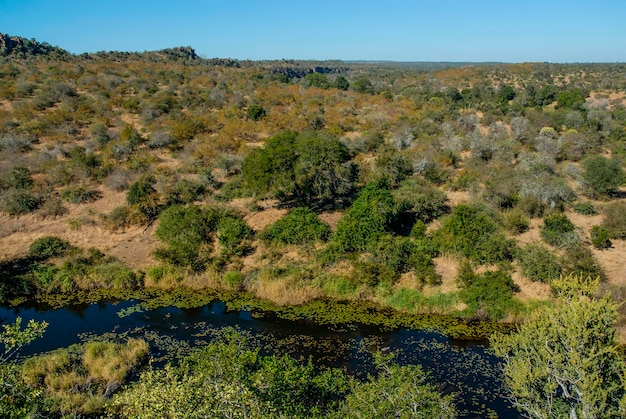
{"x": 16, "y": 46}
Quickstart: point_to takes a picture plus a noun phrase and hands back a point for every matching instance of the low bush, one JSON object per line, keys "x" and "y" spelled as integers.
{"x": 579, "y": 261}
{"x": 615, "y": 220}
{"x": 19, "y": 202}
{"x": 515, "y": 222}
{"x": 538, "y": 263}
{"x": 79, "y": 195}
{"x": 77, "y": 379}
{"x": 490, "y": 295}
{"x": 232, "y": 232}
{"x": 558, "y": 231}
{"x": 233, "y": 280}
{"x": 584, "y": 208}
{"x": 600, "y": 237}
{"x": 367, "y": 219}
{"x": 402, "y": 254}
{"x": 299, "y": 226}
{"x": 186, "y": 191}
{"x": 48, "y": 247}
{"x": 471, "y": 231}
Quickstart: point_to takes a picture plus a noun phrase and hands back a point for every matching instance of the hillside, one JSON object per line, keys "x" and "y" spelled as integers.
{"x": 425, "y": 188}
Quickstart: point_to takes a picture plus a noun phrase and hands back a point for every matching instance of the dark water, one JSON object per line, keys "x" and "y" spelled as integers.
{"x": 465, "y": 368}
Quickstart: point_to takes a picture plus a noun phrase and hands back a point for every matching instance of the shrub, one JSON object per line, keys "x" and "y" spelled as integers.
{"x": 579, "y": 261}
{"x": 300, "y": 226}
{"x": 538, "y": 263}
{"x": 114, "y": 275}
{"x": 79, "y": 195}
{"x": 490, "y": 294}
{"x": 472, "y": 232}
{"x": 423, "y": 202}
{"x": 366, "y": 220}
{"x": 603, "y": 176}
{"x": 48, "y": 247}
{"x": 232, "y": 231}
{"x": 402, "y": 254}
{"x": 615, "y": 220}
{"x": 186, "y": 192}
{"x": 233, "y": 279}
{"x": 558, "y": 231}
{"x": 184, "y": 230}
{"x": 20, "y": 201}
{"x": 584, "y": 208}
{"x": 600, "y": 237}
{"x": 515, "y": 222}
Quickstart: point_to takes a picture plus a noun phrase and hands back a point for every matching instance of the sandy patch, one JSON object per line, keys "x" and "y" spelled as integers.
{"x": 529, "y": 290}
{"x": 261, "y": 219}
{"x": 447, "y": 267}
{"x": 458, "y": 197}
{"x": 83, "y": 228}
{"x": 331, "y": 218}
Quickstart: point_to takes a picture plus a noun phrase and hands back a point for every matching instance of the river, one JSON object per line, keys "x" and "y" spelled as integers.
{"x": 463, "y": 367}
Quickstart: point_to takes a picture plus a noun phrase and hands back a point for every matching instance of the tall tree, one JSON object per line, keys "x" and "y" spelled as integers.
{"x": 564, "y": 361}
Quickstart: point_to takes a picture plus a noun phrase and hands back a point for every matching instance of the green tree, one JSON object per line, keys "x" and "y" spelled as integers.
{"x": 367, "y": 219}
{"x": 269, "y": 170}
{"x": 573, "y": 99}
{"x": 397, "y": 392}
{"x": 300, "y": 226}
{"x": 184, "y": 230}
{"x": 256, "y": 112}
{"x": 342, "y": 83}
{"x": 471, "y": 231}
{"x": 603, "y": 176}
{"x": 317, "y": 80}
{"x": 564, "y": 361}
{"x": 322, "y": 170}
{"x": 17, "y": 400}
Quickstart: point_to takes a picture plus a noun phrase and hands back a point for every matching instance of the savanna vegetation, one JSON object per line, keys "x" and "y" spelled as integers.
{"x": 466, "y": 190}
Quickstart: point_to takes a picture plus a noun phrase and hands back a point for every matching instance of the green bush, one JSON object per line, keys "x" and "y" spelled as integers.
{"x": 515, "y": 222}
{"x": 600, "y": 237}
{"x": 603, "y": 176}
{"x": 490, "y": 295}
{"x": 233, "y": 279}
{"x": 48, "y": 247}
{"x": 615, "y": 220}
{"x": 79, "y": 195}
{"x": 184, "y": 230}
{"x": 579, "y": 261}
{"x": 402, "y": 254}
{"x": 471, "y": 231}
{"x": 299, "y": 226}
{"x": 538, "y": 263}
{"x": 421, "y": 201}
{"x": 20, "y": 201}
{"x": 369, "y": 217}
{"x": 232, "y": 231}
{"x": 558, "y": 231}
{"x": 584, "y": 208}
{"x": 186, "y": 192}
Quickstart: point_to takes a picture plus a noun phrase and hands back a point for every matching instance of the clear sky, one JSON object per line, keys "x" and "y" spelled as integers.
{"x": 398, "y": 30}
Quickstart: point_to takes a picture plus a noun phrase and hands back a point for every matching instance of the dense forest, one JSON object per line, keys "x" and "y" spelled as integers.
{"x": 489, "y": 192}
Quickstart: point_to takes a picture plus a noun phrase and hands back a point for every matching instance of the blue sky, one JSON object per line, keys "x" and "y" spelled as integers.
{"x": 399, "y": 30}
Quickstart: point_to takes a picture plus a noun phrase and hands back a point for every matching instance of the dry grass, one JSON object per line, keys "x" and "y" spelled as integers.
{"x": 261, "y": 219}
{"x": 331, "y": 218}
{"x": 111, "y": 361}
{"x": 447, "y": 267}
{"x": 530, "y": 290}
{"x": 133, "y": 246}
{"x": 289, "y": 290}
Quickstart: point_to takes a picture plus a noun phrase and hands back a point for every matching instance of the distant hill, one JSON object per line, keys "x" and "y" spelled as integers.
{"x": 16, "y": 46}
